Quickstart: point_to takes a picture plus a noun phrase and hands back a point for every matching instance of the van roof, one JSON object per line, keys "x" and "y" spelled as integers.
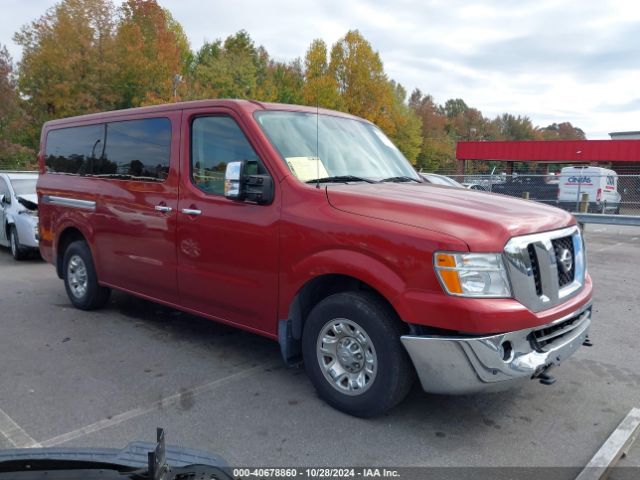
{"x": 247, "y": 105}
{"x": 588, "y": 167}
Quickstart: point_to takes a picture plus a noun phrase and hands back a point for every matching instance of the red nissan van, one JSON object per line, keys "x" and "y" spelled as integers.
{"x": 310, "y": 227}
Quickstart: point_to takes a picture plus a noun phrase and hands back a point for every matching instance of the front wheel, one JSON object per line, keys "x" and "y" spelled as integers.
{"x": 80, "y": 279}
{"x": 18, "y": 251}
{"x": 353, "y": 354}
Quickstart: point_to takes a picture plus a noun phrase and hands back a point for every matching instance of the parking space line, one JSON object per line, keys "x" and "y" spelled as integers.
{"x": 14, "y": 432}
{"x": 617, "y": 445}
{"x": 607, "y": 247}
{"x": 157, "y": 405}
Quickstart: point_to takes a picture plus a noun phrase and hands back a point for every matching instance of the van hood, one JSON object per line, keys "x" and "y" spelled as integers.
{"x": 484, "y": 221}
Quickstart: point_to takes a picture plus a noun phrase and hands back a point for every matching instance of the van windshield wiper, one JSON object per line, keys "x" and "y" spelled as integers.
{"x": 401, "y": 178}
{"x": 340, "y": 179}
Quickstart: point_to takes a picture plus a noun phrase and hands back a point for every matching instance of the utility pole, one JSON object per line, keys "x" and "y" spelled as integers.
{"x": 177, "y": 78}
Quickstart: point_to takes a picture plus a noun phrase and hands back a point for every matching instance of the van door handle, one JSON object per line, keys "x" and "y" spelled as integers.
{"x": 163, "y": 208}
{"x": 191, "y": 211}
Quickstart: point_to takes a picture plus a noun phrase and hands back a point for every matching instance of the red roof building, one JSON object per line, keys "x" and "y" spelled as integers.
{"x": 623, "y": 156}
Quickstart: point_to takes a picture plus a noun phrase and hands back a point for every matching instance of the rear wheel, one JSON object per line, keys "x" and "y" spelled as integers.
{"x": 18, "y": 251}
{"x": 80, "y": 279}
{"x": 353, "y": 354}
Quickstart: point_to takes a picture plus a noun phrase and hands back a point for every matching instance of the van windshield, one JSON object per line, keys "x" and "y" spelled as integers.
{"x": 325, "y": 146}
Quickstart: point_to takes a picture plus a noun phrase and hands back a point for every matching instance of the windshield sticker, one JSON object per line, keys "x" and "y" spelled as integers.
{"x": 307, "y": 168}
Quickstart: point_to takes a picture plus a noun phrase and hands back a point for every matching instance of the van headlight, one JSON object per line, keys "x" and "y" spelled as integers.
{"x": 472, "y": 274}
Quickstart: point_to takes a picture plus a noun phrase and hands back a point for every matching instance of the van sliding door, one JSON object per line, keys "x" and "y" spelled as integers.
{"x": 137, "y": 199}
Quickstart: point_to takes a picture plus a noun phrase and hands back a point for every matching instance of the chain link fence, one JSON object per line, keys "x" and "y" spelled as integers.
{"x": 607, "y": 194}
{"x": 23, "y": 167}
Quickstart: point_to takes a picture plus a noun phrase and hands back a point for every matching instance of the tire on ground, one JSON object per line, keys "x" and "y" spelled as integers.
{"x": 18, "y": 251}
{"x": 394, "y": 373}
{"x": 95, "y": 296}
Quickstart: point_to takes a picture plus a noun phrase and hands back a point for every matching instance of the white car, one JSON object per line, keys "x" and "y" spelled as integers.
{"x": 437, "y": 179}
{"x": 19, "y": 213}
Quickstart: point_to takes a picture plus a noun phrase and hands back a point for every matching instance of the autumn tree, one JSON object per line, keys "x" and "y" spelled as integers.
{"x": 438, "y": 147}
{"x": 407, "y": 126}
{"x": 151, "y": 49}
{"x": 68, "y": 60}
{"x": 562, "y": 131}
{"x": 363, "y": 86}
{"x": 320, "y": 86}
{"x": 9, "y": 107}
{"x": 83, "y": 56}
{"x": 13, "y": 120}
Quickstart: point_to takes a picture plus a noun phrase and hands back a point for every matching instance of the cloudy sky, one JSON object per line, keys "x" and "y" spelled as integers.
{"x": 551, "y": 60}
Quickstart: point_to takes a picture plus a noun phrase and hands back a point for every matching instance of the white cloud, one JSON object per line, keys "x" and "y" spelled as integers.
{"x": 554, "y": 61}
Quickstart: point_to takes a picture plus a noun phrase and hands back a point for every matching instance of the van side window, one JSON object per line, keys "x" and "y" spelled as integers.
{"x": 140, "y": 149}
{"x": 74, "y": 150}
{"x": 216, "y": 141}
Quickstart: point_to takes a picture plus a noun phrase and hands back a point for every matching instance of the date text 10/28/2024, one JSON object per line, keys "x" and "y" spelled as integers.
{"x": 315, "y": 473}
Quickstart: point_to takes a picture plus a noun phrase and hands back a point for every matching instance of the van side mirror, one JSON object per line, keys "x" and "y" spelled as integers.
{"x": 1, "y": 198}
{"x": 233, "y": 185}
{"x": 239, "y": 185}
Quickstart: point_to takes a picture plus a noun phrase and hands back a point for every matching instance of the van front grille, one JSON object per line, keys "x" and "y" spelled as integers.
{"x": 543, "y": 337}
{"x": 535, "y": 268}
{"x": 560, "y": 246}
{"x": 547, "y": 268}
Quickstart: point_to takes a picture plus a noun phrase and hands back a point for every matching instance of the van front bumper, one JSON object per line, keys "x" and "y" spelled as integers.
{"x": 459, "y": 365}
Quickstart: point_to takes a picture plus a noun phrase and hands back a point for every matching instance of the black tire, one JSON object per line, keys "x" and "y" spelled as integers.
{"x": 93, "y": 296}
{"x": 17, "y": 251}
{"x": 394, "y": 372}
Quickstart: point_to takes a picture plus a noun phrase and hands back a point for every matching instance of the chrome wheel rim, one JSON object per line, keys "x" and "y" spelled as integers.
{"x": 347, "y": 356}
{"x": 77, "y": 276}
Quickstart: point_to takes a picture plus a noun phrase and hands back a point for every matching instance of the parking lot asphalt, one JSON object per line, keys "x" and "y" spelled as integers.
{"x": 105, "y": 378}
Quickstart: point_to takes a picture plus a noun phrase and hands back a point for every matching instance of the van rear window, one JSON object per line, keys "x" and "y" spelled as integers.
{"x": 74, "y": 150}
{"x": 135, "y": 149}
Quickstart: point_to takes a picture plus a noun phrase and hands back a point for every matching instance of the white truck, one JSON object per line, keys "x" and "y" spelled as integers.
{"x": 601, "y": 184}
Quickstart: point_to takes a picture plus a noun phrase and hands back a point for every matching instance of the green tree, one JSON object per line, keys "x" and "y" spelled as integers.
{"x": 320, "y": 87}
{"x": 182, "y": 42}
{"x": 229, "y": 69}
{"x": 407, "y": 126}
{"x": 363, "y": 86}
{"x": 288, "y": 81}
{"x": 562, "y": 131}
{"x": 510, "y": 127}
{"x": 68, "y": 60}
{"x": 437, "y": 151}
{"x": 455, "y": 107}
{"x": 12, "y": 119}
